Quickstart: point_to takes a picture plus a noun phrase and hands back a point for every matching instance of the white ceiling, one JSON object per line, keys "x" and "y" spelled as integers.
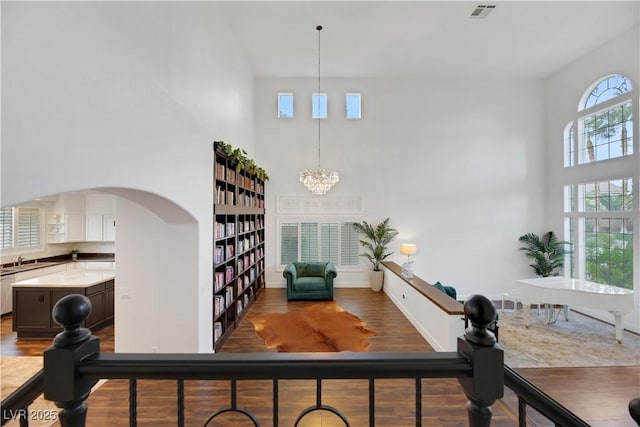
{"x": 518, "y": 39}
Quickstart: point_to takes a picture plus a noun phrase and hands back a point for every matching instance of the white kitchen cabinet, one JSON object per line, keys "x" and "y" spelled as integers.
{"x": 101, "y": 213}
{"x": 100, "y": 228}
{"x": 109, "y": 227}
{"x": 94, "y": 230}
{"x": 88, "y": 217}
{"x": 6, "y": 297}
{"x": 75, "y": 228}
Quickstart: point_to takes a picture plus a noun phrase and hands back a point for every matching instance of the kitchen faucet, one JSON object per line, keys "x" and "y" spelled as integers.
{"x": 19, "y": 261}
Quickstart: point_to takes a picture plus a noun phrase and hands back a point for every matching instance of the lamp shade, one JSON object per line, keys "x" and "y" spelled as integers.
{"x": 408, "y": 249}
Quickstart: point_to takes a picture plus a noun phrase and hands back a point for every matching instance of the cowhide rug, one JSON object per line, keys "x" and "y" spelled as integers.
{"x": 322, "y": 327}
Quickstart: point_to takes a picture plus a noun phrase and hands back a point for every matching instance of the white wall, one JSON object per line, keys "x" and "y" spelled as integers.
{"x": 153, "y": 304}
{"x": 563, "y": 91}
{"x": 457, "y": 165}
{"x": 128, "y": 95}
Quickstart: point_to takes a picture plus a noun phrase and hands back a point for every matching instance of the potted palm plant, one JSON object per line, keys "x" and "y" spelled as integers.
{"x": 375, "y": 241}
{"x": 546, "y": 252}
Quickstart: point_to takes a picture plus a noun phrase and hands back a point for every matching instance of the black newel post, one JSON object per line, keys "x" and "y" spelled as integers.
{"x": 69, "y": 348}
{"x": 486, "y": 356}
{"x": 634, "y": 409}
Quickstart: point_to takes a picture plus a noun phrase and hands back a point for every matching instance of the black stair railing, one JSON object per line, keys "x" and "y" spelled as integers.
{"x": 73, "y": 364}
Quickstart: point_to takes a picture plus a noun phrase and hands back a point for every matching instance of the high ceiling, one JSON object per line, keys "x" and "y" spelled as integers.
{"x": 517, "y": 39}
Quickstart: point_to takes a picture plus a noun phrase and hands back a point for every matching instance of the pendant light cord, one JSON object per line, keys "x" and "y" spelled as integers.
{"x": 319, "y": 27}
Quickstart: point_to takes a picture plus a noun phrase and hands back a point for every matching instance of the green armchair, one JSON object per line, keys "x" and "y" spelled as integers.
{"x": 310, "y": 280}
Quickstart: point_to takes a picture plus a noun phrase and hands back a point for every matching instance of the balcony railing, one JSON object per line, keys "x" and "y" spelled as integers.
{"x": 73, "y": 365}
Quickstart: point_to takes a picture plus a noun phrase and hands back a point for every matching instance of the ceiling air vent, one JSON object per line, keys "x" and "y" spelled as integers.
{"x": 482, "y": 10}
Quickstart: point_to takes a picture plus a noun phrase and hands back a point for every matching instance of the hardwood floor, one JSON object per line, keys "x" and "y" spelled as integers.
{"x": 598, "y": 395}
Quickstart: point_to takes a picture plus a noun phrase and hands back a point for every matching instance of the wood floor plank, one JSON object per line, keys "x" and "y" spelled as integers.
{"x": 599, "y": 395}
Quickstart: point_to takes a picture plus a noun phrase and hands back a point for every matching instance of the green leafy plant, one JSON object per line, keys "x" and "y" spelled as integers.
{"x": 240, "y": 160}
{"x": 377, "y": 237}
{"x": 546, "y": 252}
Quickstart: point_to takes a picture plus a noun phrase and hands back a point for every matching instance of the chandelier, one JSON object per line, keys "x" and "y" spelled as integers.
{"x": 319, "y": 180}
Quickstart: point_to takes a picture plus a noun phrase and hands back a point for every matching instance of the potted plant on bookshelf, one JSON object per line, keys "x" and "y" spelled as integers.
{"x": 375, "y": 241}
{"x": 546, "y": 253}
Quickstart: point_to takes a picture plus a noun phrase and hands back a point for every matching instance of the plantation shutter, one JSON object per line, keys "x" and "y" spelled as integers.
{"x": 6, "y": 228}
{"x": 329, "y": 242}
{"x": 288, "y": 243}
{"x": 309, "y": 241}
{"x": 348, "y": 244}
{"x": 28, "y": 233}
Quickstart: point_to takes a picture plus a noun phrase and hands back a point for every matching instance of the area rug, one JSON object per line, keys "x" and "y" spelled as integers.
{"x": 579, "y": 342}
{"x": 321, "y": 327}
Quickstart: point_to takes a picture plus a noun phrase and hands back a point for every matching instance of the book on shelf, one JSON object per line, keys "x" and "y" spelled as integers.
{"x": 217, "y": 331}
{"x": 219, "y": 280}
{"x": 240, "y": 265}
{"x": 219, "y": 305}
{"x": 220, "y": 195}
{"x": 220, "y": 171}
{"x": 229, "y": 252}
{"x": 231, "y": 228}
{"x": 219, "y": 230}
{"x": 239, "y": 307}
{"x": 229, "y": 295}
{"x": 229, "y": 273}
{"x": 219, "y": 254}
{"x": 246, "y": 299}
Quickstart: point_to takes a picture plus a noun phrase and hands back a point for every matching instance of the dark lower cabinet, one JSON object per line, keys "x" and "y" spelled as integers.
{"x": 97, "y": 297}
{"x": 32, "y": 307}
{"x": 109, "y": 294}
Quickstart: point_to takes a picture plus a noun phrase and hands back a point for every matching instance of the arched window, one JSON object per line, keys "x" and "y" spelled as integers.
{"x": 599, "y": 212}
{"x": 606, "y": 89}
{"x": 604, "y": 122}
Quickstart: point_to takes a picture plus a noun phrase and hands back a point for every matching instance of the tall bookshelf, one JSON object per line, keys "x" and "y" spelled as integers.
{"x": 238, "y": 252}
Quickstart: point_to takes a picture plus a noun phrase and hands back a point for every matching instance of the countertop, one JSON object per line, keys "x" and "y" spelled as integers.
{"x": 4, "y": 271}
{"x": 30, "y": 265}
{"x": 80, "y": 278}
